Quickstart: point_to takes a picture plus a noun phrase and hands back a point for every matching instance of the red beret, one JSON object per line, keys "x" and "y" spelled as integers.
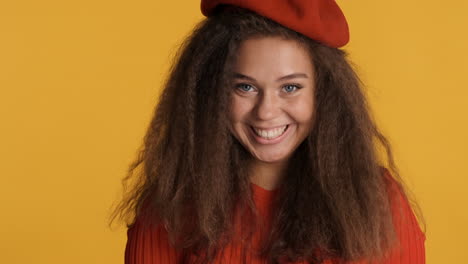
{"x": 321, "y": 20}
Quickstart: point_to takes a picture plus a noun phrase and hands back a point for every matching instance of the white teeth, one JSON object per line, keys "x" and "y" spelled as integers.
{"x": 270, "y": 134}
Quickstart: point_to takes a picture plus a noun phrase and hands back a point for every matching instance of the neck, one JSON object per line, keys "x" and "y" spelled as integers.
{"x": 267, "y": 175}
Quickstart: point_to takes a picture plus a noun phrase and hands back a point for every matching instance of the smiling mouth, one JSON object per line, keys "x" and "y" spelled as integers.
{"x": 270, "y": 133}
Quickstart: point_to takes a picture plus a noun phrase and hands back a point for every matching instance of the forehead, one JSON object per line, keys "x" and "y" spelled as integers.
{"x": 272, "y": 55}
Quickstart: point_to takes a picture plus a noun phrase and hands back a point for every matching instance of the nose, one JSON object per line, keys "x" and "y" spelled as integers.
{"x": 267, "y": 107}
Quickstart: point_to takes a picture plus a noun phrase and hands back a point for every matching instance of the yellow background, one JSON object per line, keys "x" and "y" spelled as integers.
{"x": 78, "y": 82}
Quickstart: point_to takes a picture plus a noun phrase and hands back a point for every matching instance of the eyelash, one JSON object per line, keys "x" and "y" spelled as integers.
{"x": 240, "y": 85}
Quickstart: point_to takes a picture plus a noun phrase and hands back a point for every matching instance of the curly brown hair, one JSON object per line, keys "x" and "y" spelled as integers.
{"x": 190, "y": 172}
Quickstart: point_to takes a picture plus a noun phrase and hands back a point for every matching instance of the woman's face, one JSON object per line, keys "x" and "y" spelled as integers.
{"x": 272, "y": 98}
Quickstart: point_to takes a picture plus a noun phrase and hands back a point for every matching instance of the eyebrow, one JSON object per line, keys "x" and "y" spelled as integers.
{"x": 286, "y": 77}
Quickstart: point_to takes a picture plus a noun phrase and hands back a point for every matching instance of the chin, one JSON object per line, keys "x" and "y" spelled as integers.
{"x": 271, "y": 158}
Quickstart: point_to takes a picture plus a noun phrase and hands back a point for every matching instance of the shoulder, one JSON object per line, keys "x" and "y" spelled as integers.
{"x": 400, "y": 204}
{"x": 410, "y": 245}
{"x": 148, "y": 243}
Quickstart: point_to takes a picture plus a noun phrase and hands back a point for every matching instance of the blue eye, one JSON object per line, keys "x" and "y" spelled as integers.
{"x": 244, "y": 87}
{"x": 291, "y": 88}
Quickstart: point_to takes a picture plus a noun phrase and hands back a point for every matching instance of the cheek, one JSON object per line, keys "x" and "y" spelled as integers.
{"x": 238, "y": 109}
{"x": 303, "y": 111}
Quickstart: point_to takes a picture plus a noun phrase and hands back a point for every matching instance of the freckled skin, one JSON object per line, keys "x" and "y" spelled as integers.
{"x": 266, "y": 101}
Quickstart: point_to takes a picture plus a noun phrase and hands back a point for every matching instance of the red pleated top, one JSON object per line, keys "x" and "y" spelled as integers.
{"x": 151, "y": 245}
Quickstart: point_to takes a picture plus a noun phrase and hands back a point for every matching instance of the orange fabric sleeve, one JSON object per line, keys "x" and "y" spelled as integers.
{"x": 149, "y": 245}
{"x": 408, "y": 231}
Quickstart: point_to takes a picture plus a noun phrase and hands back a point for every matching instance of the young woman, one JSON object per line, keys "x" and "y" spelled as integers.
{"x": 262, "y": 149}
